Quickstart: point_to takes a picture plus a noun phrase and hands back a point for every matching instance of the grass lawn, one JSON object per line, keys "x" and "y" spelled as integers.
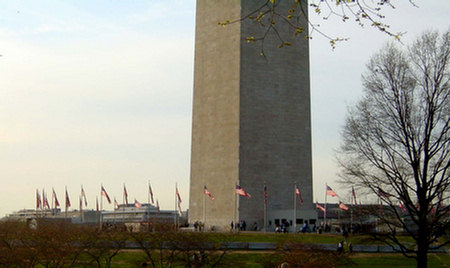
{"x": 294, "y": 238}
{"x": 252, "y": 259}
{"x": 377, "y": 260}
{"x": 255, "y": 259}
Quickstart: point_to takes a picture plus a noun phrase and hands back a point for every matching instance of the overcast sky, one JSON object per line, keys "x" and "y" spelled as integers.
{"x": 96, "y": 92}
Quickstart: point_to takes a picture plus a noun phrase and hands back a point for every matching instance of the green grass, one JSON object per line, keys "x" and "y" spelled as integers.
{"x": 360, "y": 260}
{"x": 131, "y": 259}
{"x": 397, "y": 260}
{"x": 252, "y": 259}
{"x": 295, "y": 238}
{"x": 255, "y": 259}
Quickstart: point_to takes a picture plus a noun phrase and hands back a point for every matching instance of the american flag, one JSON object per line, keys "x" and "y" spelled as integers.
{"x": 265, "y": 194}
{"x": 45, "y": 203}
{"x": 38, "y": 200}
{"x": 67, "y": 199}
{"x": 137, "y": 204}
{"x": 105, "y": 194}
{"x": 320, "y": 207}
{"x": 150, "y": 192}
{"x": 354, "y": 196}
{"x": 83, "y": 194}
{"x": 125, "y": 194}
{"x": 297, "y": 192}
{"x": 342, "y": 206}
{"x": 241, "y": 191}
{"x": 402, "y": 207}
{"x": 330, "y": 191}
{"x": 208, "y": 193}
{"x": 116, "y": 203}
{"x": 56, "y": 198}
{"x": 178, "y": 195}
{"x": 178, "y": 199}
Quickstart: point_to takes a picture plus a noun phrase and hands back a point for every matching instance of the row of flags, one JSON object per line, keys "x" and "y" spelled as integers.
{"x": 329, "y": 192}
{"x": 381, "y": 194}
{"x": 240, "y": 191}
{"x": 43, "y": 203}
{"x": 332, "y": 193}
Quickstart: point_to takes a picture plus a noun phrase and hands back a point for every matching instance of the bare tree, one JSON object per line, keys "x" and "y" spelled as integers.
{"x": 101, "y": 246}
{"x": 396, "y": 142}
{"x": 166, "y": 247}
{"x": 55, "y": 243}
{"x": 16, "y": 251}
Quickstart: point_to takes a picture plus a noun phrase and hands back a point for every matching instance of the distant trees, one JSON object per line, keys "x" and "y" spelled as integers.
{"x": 396, "y": 142}
{"x": 55, "y": 244}
{"x": 101, "y": 246}
{"x": 15, "y": 246}
{"x": 61, "y": 244}
{"x": 165, "y": 247}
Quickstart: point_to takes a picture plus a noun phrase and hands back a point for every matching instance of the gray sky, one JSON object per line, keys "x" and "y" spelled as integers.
{"x": 98, "y": 92}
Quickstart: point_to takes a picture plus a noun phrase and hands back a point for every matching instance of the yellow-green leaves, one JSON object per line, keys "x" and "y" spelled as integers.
{"x": 260, "y": 16}
{"x": 287, "y": 44}
{"x": 298, "y": 31}
{"x": 224, "y": 23}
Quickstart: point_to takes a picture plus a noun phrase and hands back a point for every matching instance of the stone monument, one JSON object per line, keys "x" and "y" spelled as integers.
{"x": 251, "y": 121}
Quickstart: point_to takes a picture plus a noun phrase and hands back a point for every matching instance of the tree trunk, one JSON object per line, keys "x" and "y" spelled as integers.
{"x": 422, "y": 252}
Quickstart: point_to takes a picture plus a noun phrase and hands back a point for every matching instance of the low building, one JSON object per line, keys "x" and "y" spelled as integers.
{"x": 125, "y": 214}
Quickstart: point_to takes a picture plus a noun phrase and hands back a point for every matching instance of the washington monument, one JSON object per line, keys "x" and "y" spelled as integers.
{"x": 251, "y": 120}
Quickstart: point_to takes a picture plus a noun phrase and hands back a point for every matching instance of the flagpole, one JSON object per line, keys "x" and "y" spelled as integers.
{"x": 175, "y": 210}
{"x": 81, "y": 208}
{"x": 204, "y": 205}
{"x": 351, "y": 210}
{"x": 37, "y": 206}
{"x": 265, "y": 206}
{"x": 96, "y": 208}
{"x": 124, "y": 203}
{"x": 148, "y": 195}
{"x": 53, "y": 200}
{"x": 43, "y": 207}
{"x": 351, "y": 219}
{"x": 81, "y": 204}
{"x": 65, "y": 216}
{"x": 46, "y": 202}
{"x": 179, "y": 208}
{"x": 295, "y": 208}
{"x": 114, "y": 210}
{"x": 325, "y": 212}
{"x": 101, "y": 208}
{"x": 148, "y": 202}
{"x": 236, "y": 200}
